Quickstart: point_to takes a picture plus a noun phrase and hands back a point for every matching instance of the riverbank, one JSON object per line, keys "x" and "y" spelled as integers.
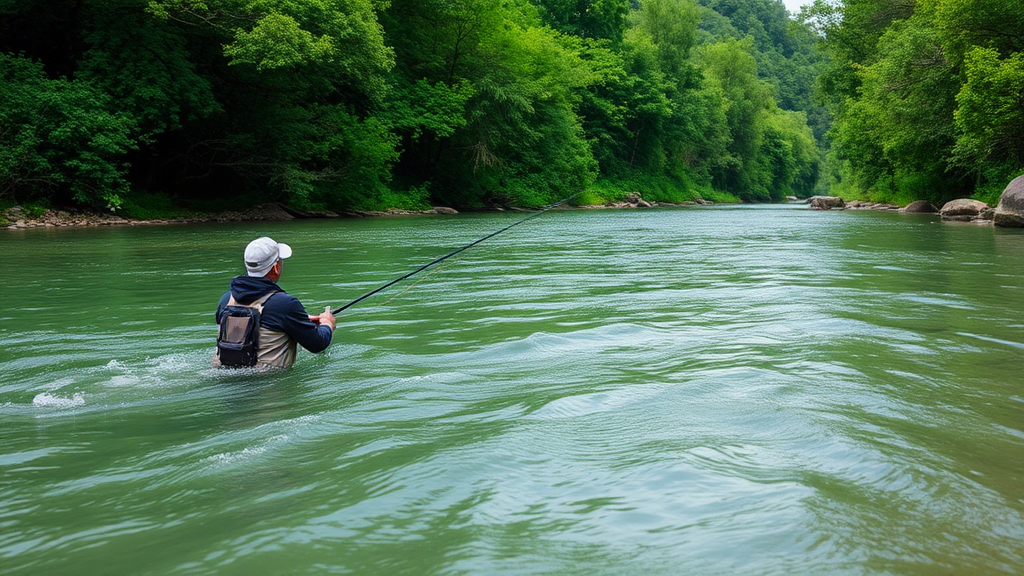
{"x": 16, "y": 218}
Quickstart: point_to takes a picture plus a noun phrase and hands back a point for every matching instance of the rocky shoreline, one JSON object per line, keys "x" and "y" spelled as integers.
{"x": 1009, "y": 212}
{"x": 269, "y": 212}
{"x": 17, "y": 219}
{"x": 961, "y": 210}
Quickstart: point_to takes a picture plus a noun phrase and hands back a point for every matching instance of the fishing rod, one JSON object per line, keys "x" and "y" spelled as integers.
{"x": 452, "y": 253}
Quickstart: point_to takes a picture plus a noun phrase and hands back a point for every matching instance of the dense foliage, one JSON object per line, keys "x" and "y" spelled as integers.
{"x": 927, "y": 95}
{"x": 345, "y": 104}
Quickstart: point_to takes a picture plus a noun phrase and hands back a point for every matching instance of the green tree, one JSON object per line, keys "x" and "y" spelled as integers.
{"x": 908, "y": 100}
{"x": 925, "y": 96}
{"x": 671, "y": 26}
{"x": 598, "y": 19}
{"x": 789, "y": 155}
{"x": 59, "y": 138}
{"x": 511, "y": 89}
{"x": 990, "y": 117}
{"x": 145, "y": 64}
{"x": 300, "y": 85}
{"x": 730, "y": 66}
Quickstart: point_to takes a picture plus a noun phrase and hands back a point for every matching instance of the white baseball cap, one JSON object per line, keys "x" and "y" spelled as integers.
{"x": 262, "y": 253}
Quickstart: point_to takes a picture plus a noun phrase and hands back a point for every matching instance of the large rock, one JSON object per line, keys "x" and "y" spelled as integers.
{"x": 825, "y": 202}
{"x": 635, "y": 199}
{"x": 963, "y": 209}
{"x": 919, "y": 207}
{"x": 1010, "y": 211}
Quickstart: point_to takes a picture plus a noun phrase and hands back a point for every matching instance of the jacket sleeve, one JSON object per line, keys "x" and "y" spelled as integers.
{"x": 295, "y": 322}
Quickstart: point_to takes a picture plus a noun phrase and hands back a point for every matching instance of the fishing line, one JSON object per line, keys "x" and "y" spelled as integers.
{"x": 418, "y": 281}
{"x": 452, "y": 253}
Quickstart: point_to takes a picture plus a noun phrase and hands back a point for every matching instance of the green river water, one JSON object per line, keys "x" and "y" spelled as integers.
{"x": 726, "y": 390}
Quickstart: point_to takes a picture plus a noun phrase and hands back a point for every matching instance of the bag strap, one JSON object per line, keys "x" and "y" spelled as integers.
{"x": 257, "y": 304}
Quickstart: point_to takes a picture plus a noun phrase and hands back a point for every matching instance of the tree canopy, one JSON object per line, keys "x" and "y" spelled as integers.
{"x": 370, "y": 104}
{"x": 927, "y": 96}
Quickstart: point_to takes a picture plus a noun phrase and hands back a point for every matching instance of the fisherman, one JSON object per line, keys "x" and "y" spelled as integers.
{"x": 283, "y": 322}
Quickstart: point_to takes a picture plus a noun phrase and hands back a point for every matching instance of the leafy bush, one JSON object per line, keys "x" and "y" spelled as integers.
{"x": 36, "y": 209}
{"x": 415, "y": 198}
{"x": 59, "y": 137}
{"x": 151, "y": 206}
{"x": 653, "y": 189}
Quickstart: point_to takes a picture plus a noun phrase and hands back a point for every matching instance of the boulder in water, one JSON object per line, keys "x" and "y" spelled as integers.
{"x": 963, "y": 209}
{"x": 825, "y": 202}
{"x": 919, "y": 207}
{"x": 1010, "y": 211}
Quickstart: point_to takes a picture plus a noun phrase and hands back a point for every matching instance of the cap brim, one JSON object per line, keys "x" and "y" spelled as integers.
{"x": 283, "y": 251}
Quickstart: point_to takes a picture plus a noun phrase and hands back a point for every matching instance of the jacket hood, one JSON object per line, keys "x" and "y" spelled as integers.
{"x": 248, "y": 289}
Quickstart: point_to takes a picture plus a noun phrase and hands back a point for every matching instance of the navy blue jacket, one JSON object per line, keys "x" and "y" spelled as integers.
{"x": 281, "y": 312}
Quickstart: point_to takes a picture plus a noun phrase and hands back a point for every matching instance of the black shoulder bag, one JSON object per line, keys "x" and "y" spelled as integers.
{"x": 238, "y": 343}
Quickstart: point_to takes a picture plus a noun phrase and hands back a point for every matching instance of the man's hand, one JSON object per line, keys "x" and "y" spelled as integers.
{"x": 326, "y": 318}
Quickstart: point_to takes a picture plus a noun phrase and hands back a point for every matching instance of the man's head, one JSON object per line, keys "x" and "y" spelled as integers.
{"x": 262, "y": 254}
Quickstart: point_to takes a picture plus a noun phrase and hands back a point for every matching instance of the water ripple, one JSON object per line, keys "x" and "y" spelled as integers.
{"x": 760, "y": 390}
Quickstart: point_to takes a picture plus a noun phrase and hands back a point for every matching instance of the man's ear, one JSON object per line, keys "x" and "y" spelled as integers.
{"x": 275, "y": 271}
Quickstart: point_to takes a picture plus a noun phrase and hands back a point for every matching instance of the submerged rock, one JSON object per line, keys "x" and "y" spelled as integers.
{"x": 825, "y": 202}
{"x": 1010, "y": 211}
{"x": 919, "y": 207}
{"x": 963, "y": 209}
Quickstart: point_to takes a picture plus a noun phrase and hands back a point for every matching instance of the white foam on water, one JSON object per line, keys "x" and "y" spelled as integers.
{"x": 123, "y": 380}
{"x": 239, "y": 455}
{"x": 48, "y": 400}
{"x": 247, "y": 452}
{"x": 157, "y": 371}
{"x": 990, "y": 339}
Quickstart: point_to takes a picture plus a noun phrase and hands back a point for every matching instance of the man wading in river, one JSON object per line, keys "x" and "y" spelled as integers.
{"x": 256, "y": 300}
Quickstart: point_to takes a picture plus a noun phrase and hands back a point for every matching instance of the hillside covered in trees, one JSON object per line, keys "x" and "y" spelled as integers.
{"x": 146, "y": 105}
{"x": 927, "y": 96}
